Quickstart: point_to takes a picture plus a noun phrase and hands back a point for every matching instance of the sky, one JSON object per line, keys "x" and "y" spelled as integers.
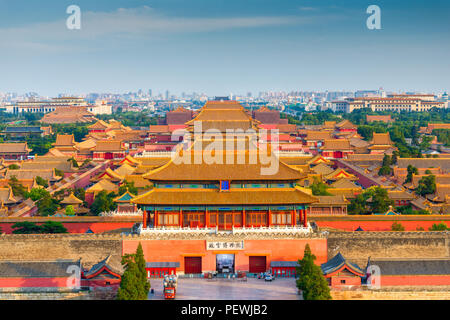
{"x": 219, "y": 47}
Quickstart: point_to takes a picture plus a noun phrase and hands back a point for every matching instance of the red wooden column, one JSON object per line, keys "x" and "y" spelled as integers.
{"x": 243, "y": 217}
{"x": 181, "y": 217}
{"x": 207, "y": 218}
{"x": 232, "y": 219}
{"x": 293, "y": 218}
{"x": 300, "y": 213}
{"x": 270, "y": 218}
{"x": 156, "y": 218}
{"x": 144, "y": 219}
{"x": 305, "y": 221}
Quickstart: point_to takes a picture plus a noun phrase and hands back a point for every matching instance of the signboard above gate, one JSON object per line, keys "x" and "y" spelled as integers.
{"x": 225, "y": 245}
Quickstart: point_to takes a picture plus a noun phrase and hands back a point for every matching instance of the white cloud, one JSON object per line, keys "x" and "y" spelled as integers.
{"x": 142, "y": 22}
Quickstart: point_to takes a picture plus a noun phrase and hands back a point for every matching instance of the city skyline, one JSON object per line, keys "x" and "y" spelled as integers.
{"x": 221, "y": 47}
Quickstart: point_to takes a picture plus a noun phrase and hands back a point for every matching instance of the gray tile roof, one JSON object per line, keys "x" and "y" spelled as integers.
{"x": 37, "y": 269}
{"x": 337, "y": 262}
{"x": 162, "y": 265}
{"x": 278, "y": 264}
{"x": 104, "y": 263}
{"x": 412, "y": 267}
{"x": 23, "y": 129}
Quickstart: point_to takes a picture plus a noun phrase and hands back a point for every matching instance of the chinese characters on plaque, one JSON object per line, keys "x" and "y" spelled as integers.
{"x": 224, "y": 245}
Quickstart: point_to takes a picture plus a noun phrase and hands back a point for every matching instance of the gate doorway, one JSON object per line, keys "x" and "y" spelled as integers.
{"x": 257, "y": 264}
{"x": 225, "y": 263}
{"x": 192, "y": 265}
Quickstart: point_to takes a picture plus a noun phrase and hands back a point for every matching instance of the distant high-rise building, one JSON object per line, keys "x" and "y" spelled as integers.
{"x": 167, "y": 94}
{"x": 149, "y": 92}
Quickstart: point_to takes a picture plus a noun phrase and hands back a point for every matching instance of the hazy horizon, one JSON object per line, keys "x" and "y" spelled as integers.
{"x": 221, "y": 47}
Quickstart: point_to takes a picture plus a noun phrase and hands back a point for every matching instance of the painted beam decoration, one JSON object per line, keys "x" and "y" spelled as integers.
{"x": 225, "y": 245}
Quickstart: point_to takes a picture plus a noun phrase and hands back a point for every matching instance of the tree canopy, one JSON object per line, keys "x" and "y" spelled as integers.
{"x": 311, "y": 281}
{"x": 103, "y": 202}
{"x": 134, "y": 284}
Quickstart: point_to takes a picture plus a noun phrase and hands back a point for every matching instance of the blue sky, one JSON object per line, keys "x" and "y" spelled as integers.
{"x": 218, "y": 46}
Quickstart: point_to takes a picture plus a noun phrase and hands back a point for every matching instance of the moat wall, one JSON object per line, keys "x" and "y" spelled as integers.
{"x": 359, "y": 246}
{"x": 355, "y": 246}
{"x": 90, "y": 248}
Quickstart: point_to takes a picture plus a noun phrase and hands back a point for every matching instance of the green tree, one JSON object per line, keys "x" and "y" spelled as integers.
{"x": 127, "y": 186}
{"x": 42, "y": 182}
{"x": 384, "y": 171}
{"x": 394, "y": 157}
{"x": 13, "y": 167}
{"x": 439, "y": 227}
{"x": 397, "y": 227}
{"x": 103, "y": 202}
{"x": 70, "y": 210}
{"x": 411, "y": 171}
{"x": 53, "y": 227}
{"x": 134, "y": 284}
{"x": 311, "y": 281}
{"x": 358, "y": 205}
{"x": 319, "y": 188}
{"x": 380, "y": 200}
{"x": 36, "y": 194}
{"x": 26, "y": 227}
{"x": 427, "y": 185}
{"x": 17, "y": 188}
{"x": 142, "y": 272}
{"x": 74, "y": 162}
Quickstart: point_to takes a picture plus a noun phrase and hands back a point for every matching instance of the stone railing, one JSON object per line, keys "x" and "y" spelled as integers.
{"x": 179, "y": 230}
{"x": 156, "y": 154}
{"x": 235, "y": 231}
{"x": 116, "y": 213}
{"x": 274, "y": 230}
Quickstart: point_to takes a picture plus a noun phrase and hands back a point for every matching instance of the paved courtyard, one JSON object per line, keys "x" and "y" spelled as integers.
{"x": 225, "y": 289}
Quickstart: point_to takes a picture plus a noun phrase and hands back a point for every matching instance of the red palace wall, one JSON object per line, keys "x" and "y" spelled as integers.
{"x": 379, "y": 225}
{"x": 349, "y": 281}
{"x": 435, "y": 280}
{"x": 78, "y": 227}
{"x": 274, "y": 250}
{"x": 34, "y": 282}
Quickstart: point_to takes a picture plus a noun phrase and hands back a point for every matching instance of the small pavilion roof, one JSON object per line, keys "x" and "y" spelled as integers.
{"x": 64, "y": 140}
{"x": 345, "y": 124}
{"x": 100, "y": 124}
{"x": 323, "y": 169}
{"x": 130, "y": 160}
{"x": 318, "y": 135}
{"x": 102, "y": 265}
{"x": 103, "y": 185}
{"x": 71, "y": 199}
{"x": 340, "y": 173}
{"x": 383, "y": 139}
{"x": 336, "y": 144}
{"x": 7, "y": 196}
{"x": 338, "y": 263}
{"x": 19, "y": 147}
{"x": 125, "y": 198}
{"x": 344, "y": 183}
{"x": 125, "y": 169}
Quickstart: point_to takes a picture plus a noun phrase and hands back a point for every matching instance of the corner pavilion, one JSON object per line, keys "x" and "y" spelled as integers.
{"x": 233, "y": 215}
